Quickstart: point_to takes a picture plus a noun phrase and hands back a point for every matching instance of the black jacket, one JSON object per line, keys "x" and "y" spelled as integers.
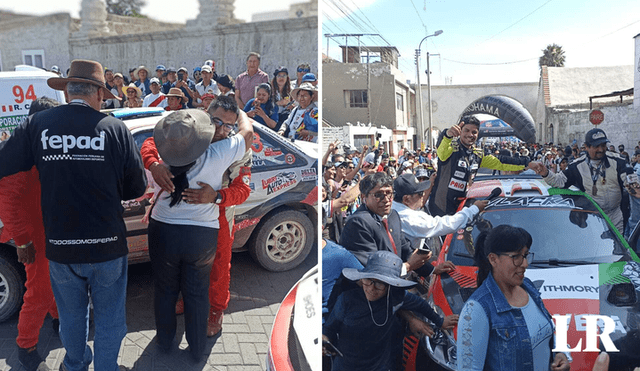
{"x": 88, "y": 163}
{"x": 364, "y": 234}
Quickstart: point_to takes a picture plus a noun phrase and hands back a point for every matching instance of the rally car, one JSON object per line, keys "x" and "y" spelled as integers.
{"x": 582, "y": 267}
{"x": 294, "y": 343}
{"x": 277, "y": 224}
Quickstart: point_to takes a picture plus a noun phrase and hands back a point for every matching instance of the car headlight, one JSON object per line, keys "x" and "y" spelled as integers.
{"x": 442, "y": 346}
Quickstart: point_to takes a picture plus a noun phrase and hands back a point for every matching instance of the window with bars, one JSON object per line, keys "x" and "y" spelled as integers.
{"x": 356, "y": 98}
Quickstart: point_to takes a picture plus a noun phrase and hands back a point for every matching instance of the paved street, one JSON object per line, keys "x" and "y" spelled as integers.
{"x": 255, "y": 297}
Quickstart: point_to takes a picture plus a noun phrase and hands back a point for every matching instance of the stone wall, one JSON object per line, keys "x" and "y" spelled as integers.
{"x": 49, "y": 33}
{"x": 636, "y": 75}
{"x": 122, "y": 25}
{"x": 282, "y": 42}
{"x": 621, "y": 123}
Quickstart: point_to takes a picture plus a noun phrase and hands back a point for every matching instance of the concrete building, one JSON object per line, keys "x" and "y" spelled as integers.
{"x": 369, "y": 94}
{"x": 125, "y": 42}
{"x": 564, "y": 104}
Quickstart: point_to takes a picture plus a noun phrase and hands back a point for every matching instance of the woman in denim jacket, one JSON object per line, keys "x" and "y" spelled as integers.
{"x": 504, "y": 324}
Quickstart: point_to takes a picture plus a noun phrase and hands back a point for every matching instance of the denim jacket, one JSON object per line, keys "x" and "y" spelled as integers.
{"x": 509, "y": 341}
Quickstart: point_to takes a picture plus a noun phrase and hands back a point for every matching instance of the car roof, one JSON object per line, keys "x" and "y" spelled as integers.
{"x": 147, "y": 117}
{"x": 510, "y": 186}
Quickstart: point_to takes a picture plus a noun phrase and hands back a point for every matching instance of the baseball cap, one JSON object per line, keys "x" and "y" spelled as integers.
{"x": 154, "y": 80}
{"x": 161, "y": 68}
{"x": 595, "y": 137}
{"x": 408, "y": 184}
{"x": 183, "y": 69}
{"x": 309, "y": 77}
{"x": 206, "y": 68}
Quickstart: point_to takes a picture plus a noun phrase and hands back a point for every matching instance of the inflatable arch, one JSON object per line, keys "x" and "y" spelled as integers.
{"x": 508, "y": 110}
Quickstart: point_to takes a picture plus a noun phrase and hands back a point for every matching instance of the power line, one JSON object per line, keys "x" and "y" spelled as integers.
{"x": 490, "y": 64}
{"x": 518, "y": 21}
{"x": 420, "y": 18}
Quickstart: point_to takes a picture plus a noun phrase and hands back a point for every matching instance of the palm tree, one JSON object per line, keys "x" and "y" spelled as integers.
{"x": 552, "y": 56}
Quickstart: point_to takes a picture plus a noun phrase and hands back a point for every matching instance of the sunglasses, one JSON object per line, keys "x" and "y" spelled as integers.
{"x": 381, "y": 196}
{"x": 217, "y": 122}
{"x": 377, "y": 284}
{"x": 305, "y": 70}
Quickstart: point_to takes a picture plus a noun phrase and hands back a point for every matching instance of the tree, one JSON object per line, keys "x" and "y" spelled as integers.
{"x": 552, "y": 56}
{"x": 129, "y": 8}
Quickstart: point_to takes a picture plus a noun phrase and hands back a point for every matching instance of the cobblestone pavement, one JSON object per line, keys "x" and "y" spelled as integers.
{"x": 255, "y": 297}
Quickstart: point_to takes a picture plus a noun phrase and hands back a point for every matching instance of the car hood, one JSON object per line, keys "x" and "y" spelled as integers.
{"x": 610, "y": 290}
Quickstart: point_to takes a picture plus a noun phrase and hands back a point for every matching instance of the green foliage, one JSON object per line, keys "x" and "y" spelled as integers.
{"x": 130, "y": 8}
{"x": 552, "y": 56}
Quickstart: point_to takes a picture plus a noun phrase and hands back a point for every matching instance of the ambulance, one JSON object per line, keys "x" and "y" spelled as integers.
{"x": 17, "y": 90}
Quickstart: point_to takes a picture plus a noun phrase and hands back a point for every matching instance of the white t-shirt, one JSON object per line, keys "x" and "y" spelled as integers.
{"x": 151, "y": 98}
{"x": 209, "y": 168}
{"x": 212, "y": 88}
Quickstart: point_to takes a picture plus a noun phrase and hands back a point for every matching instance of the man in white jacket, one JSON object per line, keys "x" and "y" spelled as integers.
{"x": 417, "y": 224}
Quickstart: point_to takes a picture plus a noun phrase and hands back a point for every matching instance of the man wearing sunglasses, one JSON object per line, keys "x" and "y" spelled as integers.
{"x": 302, "y": 70}
{"x": 376, "y": 226}
{"x": 235, "y": 190}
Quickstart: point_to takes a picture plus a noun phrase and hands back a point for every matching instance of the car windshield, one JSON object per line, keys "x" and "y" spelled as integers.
{"x": 566, "y": 230}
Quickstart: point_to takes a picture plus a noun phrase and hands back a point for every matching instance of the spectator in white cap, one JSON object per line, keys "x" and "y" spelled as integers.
{"x": 187, "y": 86}
{"x": 143, "y": 80}
{"x": 56, "y": 70}
{"x": 156, "y": 98}
{"x": 207, "y": 85}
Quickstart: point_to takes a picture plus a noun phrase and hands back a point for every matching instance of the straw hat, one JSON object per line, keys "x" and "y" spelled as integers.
{"x": 132, "y": 86}
{"x": 304, "y": 86}
{"x": 183, "y": 136}
{"x": 142, "y": 68}
{"x": 177, "y": 92}
{"x": 86, "y": 71}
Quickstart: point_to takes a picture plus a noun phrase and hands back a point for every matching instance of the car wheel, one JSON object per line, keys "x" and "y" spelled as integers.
{"x": 11, "y": 286}
{"x": 283, "y": 241}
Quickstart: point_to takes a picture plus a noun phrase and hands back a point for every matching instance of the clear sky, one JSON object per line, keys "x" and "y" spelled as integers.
{"x": 479, "y": 33}
{"x": 164, "y": 10}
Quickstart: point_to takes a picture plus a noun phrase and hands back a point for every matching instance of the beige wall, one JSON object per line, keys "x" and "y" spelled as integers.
{"x": 338, "y": 77}
{"x": 49, "y": 33}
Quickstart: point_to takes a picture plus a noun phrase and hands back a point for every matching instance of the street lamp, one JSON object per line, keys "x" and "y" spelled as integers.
{"x": 419, "y": 92}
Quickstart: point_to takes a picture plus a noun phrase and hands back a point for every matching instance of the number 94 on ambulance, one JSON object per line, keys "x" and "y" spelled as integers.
{"x": 17, "y": 90}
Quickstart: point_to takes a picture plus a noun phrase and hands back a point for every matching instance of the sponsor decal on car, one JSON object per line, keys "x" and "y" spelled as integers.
{"x": 458, "y": 174}
{"x": 543, "y": 201}
{"x": 244, "y": 224}
{"x": 289, "y": 158}
{"x": 279, "y": 182}
{"x": 309, "y": 174}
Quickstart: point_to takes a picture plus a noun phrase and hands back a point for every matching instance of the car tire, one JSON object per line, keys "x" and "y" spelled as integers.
{"x": 282, "y": 241}
{"x": 11, "y": 286}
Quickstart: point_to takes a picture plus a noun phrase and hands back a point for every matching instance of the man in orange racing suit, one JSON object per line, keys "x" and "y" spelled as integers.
{"x": 236, "y": 180}
{"x": 21, "y": 213}
{"x": 458, "y": 163}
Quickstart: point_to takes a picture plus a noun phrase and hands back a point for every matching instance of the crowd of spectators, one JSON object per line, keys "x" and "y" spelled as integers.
{"x": 269, "y": 102}
{"x": 374, "y": 201}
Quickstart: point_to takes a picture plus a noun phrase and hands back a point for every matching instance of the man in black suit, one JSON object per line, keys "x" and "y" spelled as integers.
{"x": 375, "y": 226}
